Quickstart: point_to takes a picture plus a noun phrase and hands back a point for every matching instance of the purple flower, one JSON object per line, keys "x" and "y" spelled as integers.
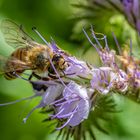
{"x": 129, "y": 8}
{"x": 107, "y": 57}
{"x": 74, "y": 106}
{"x": 51, "y": 94}
{"x": 106, "y": 79}
{"x": 53, "y": 91}
{"x": 120, "y": 81}
{"x": 77, "y": 68}
{"x": 101, "y": 80}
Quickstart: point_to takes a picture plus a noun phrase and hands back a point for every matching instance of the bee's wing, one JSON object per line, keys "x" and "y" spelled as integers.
{"x": 14, "y": 35}
{"x": 16, "y": 65}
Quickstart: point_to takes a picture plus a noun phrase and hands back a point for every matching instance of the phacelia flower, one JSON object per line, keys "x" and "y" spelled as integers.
{"x": 101, "y": 80}
{"x": 77, "y": 68}
{"x": 74, "y": 91}
{"x": 74, "y": 106}
{"x": 129, "y": 8}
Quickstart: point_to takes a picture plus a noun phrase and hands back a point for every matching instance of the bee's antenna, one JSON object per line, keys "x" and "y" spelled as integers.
{"x": 35, "y": 30}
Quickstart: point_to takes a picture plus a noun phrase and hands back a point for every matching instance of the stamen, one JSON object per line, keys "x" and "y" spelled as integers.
{"x": 118, "y": 70}
{"x": 54, "y": 44}
{"x": 59, "y": 100}
{"x": 131, "y": 47}
{"x": 65, "y": 123}
{"x": 66, "y": 115}
{"x": 26, "y": 118}
{"x": 95, "y": 37}
{"x": 117, "y": 43}
{"x": 90, "y": 41}
{"x": 70, "y": 60}
{"x": 13, "y": 102}
{"x": 34, "y": 29}
{"x": 55, "y": 116}
{"x": 67, "y": 120}
{"x": 106, "y": 44}
{"x": 68, "y": 101}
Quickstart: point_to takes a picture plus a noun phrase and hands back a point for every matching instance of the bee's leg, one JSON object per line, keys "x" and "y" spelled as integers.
{"x": 64, "y": 75}
{"x": 31, "y": 76}
{"x": 52, "y": 76}
{"x": 19, "y": 76}
{"x": 39, "y": 77}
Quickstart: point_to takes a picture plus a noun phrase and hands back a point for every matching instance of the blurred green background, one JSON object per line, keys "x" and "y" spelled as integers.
{"x": 54, "y": 18}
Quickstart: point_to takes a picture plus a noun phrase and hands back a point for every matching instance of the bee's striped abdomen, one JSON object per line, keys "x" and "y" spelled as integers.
{"x": 12, "y": 69}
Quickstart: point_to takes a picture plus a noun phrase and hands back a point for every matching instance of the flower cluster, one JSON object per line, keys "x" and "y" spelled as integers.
{"x": 129, "y": 8}
{"x": 73, "y": 95}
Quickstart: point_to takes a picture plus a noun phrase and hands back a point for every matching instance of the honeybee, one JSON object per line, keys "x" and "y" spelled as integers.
{"x": 28, "y": 54}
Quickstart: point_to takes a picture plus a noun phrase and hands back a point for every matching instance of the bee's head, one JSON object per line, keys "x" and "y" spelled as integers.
{"x": 59, "y": 61}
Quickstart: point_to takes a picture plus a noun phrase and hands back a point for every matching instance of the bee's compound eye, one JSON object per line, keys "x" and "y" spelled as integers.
{"x": 56, "y": 57}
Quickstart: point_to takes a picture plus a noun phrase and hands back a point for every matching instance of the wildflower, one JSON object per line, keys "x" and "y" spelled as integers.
{"x": 106, "y": 55}
{"x": 101, "y": 80}
{"x": 52, "y": 91}
{"x": 77, "y": 68}
{"x": 72, "y": 100}
{"x": 120, "y": 81}
{"x": 129, "y": 8}
{"x": 132, "y": 12}
{"x": 75, "y": 107}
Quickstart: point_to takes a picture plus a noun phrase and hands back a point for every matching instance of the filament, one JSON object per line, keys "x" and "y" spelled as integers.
{"x": 117, "y": 43}
{"x": 13, "y": 102}
{"x": 131, "y": 47}
{"x": 34, "y": 29}
{"x": 29, "y": 114}
{"x": 95, "y": 37}
{"x": 90, "y": 40}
